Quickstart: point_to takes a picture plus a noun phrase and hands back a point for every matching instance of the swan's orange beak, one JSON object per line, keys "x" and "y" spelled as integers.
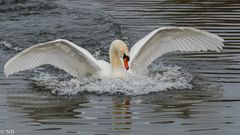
{"x": 125, "y": 61}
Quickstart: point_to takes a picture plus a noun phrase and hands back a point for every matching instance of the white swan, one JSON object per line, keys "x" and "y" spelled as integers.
{"x": 78, "y": 62}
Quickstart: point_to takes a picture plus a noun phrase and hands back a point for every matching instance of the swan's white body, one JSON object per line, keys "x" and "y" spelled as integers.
{"x": 77, "y": 61}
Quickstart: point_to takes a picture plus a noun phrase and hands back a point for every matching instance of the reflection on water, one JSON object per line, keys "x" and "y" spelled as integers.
{"x": 118, "y": 114}
{"x": 187, "y": 111}
{"x": 40, "y": 106}
{"x": 210, "y": 107}
{"x": 122, "y": 114}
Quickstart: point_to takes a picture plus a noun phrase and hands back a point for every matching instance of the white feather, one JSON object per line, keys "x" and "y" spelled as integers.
{"x": 170, "y": 39}
{"x": 61, "y": 53}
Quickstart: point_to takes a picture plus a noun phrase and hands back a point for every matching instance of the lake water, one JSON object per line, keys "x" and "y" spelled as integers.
{"x": 182, "y": 93}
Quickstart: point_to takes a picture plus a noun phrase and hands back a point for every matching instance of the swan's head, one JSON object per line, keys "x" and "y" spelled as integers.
{"x": 122, "y": 51}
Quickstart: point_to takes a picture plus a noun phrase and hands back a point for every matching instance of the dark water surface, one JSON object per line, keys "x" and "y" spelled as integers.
{"x": 29, "y": 105}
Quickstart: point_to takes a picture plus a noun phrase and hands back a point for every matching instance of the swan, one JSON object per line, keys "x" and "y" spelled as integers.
{"x": 78, "y": 62}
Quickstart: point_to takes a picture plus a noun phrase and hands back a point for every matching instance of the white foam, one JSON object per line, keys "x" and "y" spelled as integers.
{"x": 169, "y": 77}
{"x": 10, "y": 46}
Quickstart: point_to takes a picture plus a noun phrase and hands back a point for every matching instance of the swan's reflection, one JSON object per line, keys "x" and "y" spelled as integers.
{"x": 40, "y": 106}
{"x": 121, "y": 113}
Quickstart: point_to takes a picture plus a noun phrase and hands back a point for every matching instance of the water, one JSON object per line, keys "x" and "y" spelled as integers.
{"x": 183, "y": 93}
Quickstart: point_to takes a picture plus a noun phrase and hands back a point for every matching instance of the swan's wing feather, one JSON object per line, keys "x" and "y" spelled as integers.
{"x": 61, "y": 53}
{"x": 169, "y": 39}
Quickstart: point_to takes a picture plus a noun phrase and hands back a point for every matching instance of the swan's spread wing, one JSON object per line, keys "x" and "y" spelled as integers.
{"x": 61, "y": 53}
{"x": 169, "y": 39}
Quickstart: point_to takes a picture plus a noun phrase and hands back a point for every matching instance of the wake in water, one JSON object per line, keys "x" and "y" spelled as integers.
{"x": 7, "y": 45}
{"x": 167, "y": 77}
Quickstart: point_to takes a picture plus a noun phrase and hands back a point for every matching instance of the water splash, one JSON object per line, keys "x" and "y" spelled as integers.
{"x": 168, "y": 77}
{"x": 10, "y": 46}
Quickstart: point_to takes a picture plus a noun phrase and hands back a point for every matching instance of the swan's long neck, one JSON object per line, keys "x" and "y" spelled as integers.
{"x": 114, "y": 58}
{"x": 118, "y": 70}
